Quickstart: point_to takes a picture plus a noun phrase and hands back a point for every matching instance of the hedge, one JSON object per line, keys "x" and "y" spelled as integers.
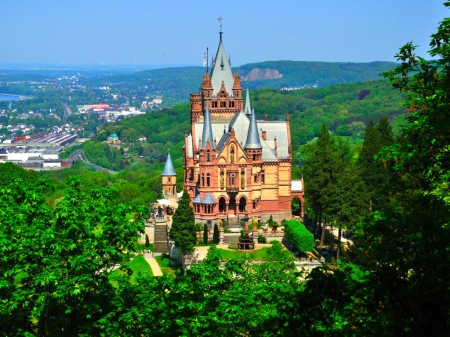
{"x": 299, "y": 236}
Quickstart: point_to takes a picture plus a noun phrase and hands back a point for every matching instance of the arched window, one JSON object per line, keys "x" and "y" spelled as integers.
{"x": 222, "y": 204}
{"x": 232, "y": 155}
{"x": 208, "y": 180}
{"x": 203, "y": 179}
{"x": 208, "y": 156}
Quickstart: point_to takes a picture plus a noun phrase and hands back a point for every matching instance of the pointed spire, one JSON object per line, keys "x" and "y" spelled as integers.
{"x": 247, "y": 109}
{"x": 221, "y": 70}
{"x": 207, "y": 130}
{"x": 253, "y": 135}
{"x": 168, "y": 168}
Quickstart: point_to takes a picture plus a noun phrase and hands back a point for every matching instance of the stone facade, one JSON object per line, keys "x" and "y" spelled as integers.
{"x": 234, "y": 162}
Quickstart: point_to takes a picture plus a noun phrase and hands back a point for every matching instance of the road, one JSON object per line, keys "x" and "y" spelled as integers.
{"x": 79, "y": 155}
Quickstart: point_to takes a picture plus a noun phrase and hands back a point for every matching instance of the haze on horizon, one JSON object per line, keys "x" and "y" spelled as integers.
{"x": 171, "y": 32}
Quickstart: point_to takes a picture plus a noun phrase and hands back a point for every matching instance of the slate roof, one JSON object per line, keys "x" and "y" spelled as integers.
{"x": 252, "y": 141}
{"x": 208, "y": 199}
{"x": 168, "y": 167}
{"x": 221, "y": 71}
{"x": 207, "y": 131}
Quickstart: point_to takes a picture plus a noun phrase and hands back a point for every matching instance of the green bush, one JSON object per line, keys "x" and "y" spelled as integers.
{"x": 216, "y": 234}
{"x": 299, "y": 236}
{"x": 262, "y": 239}
{"x": 205, "y": 234}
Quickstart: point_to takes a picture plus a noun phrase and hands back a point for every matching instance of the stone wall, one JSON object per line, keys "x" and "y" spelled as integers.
{"x": 149, "y": 231}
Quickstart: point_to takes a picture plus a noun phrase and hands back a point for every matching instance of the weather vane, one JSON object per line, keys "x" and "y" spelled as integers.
{"x": 220, "y": 20}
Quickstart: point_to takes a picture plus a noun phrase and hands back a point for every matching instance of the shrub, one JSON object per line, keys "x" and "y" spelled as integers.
{"x": 262, "y": 239}
{"x": 299, "y": 236}
{"x": 205, "y": 234}
{"x": 216, "y": 234}
{"x": 147, "y": 241}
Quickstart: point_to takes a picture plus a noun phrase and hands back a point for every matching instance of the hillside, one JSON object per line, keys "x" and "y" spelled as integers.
{"x": 300, "y": 73}
{"x": 177, "y": 83}
{"x": 344, "y": 108}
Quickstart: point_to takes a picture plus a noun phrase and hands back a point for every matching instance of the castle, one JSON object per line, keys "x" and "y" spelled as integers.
{"x": 234, "y": 163}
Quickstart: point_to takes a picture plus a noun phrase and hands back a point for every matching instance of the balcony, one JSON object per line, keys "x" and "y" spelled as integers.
{"x": 232, "y": 189}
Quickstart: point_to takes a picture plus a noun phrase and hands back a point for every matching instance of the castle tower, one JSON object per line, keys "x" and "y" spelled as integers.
{"x": 169, "y": 178}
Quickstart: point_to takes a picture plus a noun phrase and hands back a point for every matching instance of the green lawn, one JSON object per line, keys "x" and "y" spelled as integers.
{"x": 259, "y": 254}
{"x": 141, "y": 246}
{"x": 137, "y": 265}
{"x": 164, "y": 263}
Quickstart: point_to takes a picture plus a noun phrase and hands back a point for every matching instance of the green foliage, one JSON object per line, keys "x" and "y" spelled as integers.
{"x": 205, "y": 234}
{"x": 299, "y": 236}
{"x": 183, "y": 222}
{"x": 375, "y": 176}
{"x": 147, "y": 241}
{"x": 216, "y": 234}
{"x": 63, "y": 254}
{"x": 262, "y": 238}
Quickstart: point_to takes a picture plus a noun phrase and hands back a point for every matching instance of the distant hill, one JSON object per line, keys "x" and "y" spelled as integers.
{"x": 300, "y": 73}
{"x": 177, "y": 83}
{"x": 344, "y": 108}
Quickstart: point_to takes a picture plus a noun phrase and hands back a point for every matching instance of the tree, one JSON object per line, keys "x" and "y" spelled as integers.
{"x": 183, "y": 222}
{"x": 205, "y": 234}
{"x": 317, "y": 175}
{"x": 216, "y": 234}
{"x": 56, "y": 261}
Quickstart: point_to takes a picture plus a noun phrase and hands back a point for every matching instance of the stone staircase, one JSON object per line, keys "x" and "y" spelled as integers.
{"x": 233, "y": 222}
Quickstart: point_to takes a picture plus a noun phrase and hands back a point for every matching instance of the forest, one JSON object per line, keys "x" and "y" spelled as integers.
{"x": 57, "y": 257}
{"x": 343, "y": 108}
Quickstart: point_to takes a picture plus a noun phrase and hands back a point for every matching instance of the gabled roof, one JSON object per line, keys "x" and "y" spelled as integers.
{"x": 168, "y": 168}
{"x": 221, "y": 71}
{"x": 197, "y": 199}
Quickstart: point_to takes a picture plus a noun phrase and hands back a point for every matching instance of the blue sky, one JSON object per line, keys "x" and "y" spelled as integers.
{"x": 169, "y": 32}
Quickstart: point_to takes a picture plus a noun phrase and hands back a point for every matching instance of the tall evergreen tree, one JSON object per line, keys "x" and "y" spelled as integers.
{"x": 386, "y": 134}
{"x": 372, "y": 172}
{"x": 318, "y": 173}
{"x": 216, "y": 234}
{"x": 205, "y": 234}
{"x": 183, "y": 224}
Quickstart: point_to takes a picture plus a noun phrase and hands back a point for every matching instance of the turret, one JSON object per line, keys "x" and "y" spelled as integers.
{"x": 207, "y": 130}
{"x": 248, "y": 108}
{"x": 253, "y": 146}
{"x": 169, "y": 177}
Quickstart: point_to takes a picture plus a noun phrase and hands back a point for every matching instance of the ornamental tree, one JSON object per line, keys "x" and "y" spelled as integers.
{"x": 183, "y": 224}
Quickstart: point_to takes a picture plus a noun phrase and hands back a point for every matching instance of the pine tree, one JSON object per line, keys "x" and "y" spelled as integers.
{"x": 372, "y": 172}
{"x": 318, "y": 173}
{"x": 216, "y": 234}
{"x": 183, "y": 222}
{"x": 205, "y": 234}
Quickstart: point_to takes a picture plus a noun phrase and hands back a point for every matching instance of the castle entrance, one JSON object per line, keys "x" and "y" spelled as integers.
{"x": 232, "y": 206}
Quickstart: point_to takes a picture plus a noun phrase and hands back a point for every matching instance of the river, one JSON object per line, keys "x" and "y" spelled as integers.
{"x": 7, "y": 97}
